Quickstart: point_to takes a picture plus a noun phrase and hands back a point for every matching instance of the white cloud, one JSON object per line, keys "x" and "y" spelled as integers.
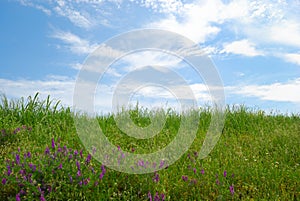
{"x": 74, "y": 43}
{"x": 76, "y": 17}
{"x": 38, "y": 7}
{"x": 242, "y": 47}
{"x": 59, "y": 87}
{"x": 293, "y": 58}
{"x": 281, "y": 92}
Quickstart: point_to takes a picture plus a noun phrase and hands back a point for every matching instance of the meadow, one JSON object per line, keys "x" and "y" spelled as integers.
{"x": 42, "y": 158}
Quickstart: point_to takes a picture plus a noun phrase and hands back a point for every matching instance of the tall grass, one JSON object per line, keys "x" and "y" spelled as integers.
{"x": 256, "y": 158}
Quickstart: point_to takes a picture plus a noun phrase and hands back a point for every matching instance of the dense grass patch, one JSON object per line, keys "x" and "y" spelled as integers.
{"x": 42, "y": 157}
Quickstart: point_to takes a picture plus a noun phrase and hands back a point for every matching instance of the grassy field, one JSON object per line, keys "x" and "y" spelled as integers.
{"x": 42, "y": 158}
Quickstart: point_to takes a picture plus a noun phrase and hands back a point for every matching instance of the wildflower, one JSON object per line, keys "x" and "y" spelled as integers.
{"x": 4, "y": 181}
{"x": 60, "y": 166}
{"x": 78, "y": 165}
{"x": 225, "y": 173}
{"x": 231, "y": 188}
{"x": 47, "y": 151}
{"x": 22, "y": 172}
{"x": 71, "y": 179}
{"x": 52, "y": 143}
{"x": 217, "y": 182}
{"x": 156, "y": 197}
{"x": 80, "y": 153}
{"x": 18, "y": 197}
{"x": 70, "y": 156}
{"x": 202, "y": 171}
{"x": 232, "y": 175}
{"x": 42, "y": 198}
{"x": 80, "y": 183}
{"x": 86, "y": 181}
{"x": 195, "y": 154}
{"x": 194, "y": 170}
{"x": 194, "y": 181}
{"x": 28, "y": 154}
{"x": 119, "y": 148}
{"x": 163, "y": 197}
{"x": 88, "y": 159}
{"x": 8, "y": 170}
{"x": 184, "y": 178}
{"x": 156, "y": 177}
{"x": 94, "y": 150}
{"x": 96, "y": 183}
{"x": 78, "y": 173}
{"x": 101, "y": 176}
{"x": 149, "y": 196}
{"x": 75, "y": 152}
{"x": 103, "y": 169}
{"x": 59, "y": 149}
{"x": 17, "y": 159}
{"x": 161, "y": 164}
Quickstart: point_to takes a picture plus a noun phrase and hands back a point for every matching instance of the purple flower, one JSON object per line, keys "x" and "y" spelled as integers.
{"x": 101, "y": 175}
{"x": 86, "y": 181}
{"x": 161, "y": 164}
{"x": 71, "y": 179}
{"x": 96, "y": 183}
{"x": 80, "y": 153}
{"x": 75, "y": 152}
{"x": 217, "y": 182}
{"x": 4, "y": 181}
{"x": 156, "y": 177}
{"x": 195, "y": 170}
{"x": 60, "y": 166}
{"x": 163, "y": 197}
{"x": 225, "y": 173}
{"x": 78, "y": 173}
{"x": 232, "y": 175}
{"x": 22, "y": 172}
{"x": 156, "y": 197}
{"x": 94, "y": 150}
{"x": 194, "y": 181}
{"x": 119, "y": 148}
{"x": 42, "y": 198}
{"x": 28, "y": 154}
{"x": 18, "y": 197}
{"x": 59, "y": 149}
{"x": 149, "y": 196}
{"x": 47, "y": 151}
{"x": 52, "y": 143}
{"x": 8, "y": 170}
{"x": 231, "y": 188}
{"x": 78, "y": 165}
{"x": 184, "y": 178}
{"x": 103, "y": 169}
{"x": 17, "y": 159}
{"x": 70, "y": 156}
{"x": 202, "y": 171}
{"x": 88, "y": 159}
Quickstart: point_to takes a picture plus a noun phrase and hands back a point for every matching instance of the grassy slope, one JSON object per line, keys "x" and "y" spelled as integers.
{"x": 261, "y": 151}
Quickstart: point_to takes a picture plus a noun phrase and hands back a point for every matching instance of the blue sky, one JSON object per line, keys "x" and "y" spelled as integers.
{"x": 255, "y": 46}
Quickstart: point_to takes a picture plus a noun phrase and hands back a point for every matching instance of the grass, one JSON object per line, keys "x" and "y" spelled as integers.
{"x": 42, "y": 157}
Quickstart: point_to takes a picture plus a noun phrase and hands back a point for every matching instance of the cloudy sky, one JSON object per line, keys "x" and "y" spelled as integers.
{"x": 254, "y": 45}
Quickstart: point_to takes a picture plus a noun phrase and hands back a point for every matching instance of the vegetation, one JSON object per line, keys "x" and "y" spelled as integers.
{"x": 42, "y": 157}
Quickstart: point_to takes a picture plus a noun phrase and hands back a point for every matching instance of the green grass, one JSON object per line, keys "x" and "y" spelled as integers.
{"x": 260, "y": 154}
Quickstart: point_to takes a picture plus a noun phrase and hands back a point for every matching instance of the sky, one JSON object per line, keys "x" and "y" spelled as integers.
{"x": 253, "y": 45}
